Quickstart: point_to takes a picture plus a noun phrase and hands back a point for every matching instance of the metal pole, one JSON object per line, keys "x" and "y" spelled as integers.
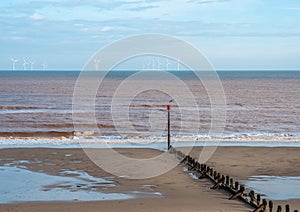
{"x": 169, "y": 134}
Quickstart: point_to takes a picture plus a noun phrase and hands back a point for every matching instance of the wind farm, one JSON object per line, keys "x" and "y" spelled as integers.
{"x": 26, "y": 65}
{"x": 161, "y": 64}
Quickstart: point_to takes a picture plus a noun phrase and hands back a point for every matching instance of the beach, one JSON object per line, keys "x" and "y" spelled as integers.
{"x": 177, "y": 190}
{"x": 43, "y": 168}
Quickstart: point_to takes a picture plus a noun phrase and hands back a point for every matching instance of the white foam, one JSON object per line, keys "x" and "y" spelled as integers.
{"x": 156, "y": 141}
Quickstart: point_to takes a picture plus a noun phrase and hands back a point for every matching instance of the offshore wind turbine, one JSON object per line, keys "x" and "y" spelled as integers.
{"x": 167, "y": 63}
{"x": 25, "y": 63}
{"x": 153, "y": 64}
{"x": 44, "y": 66}
{"x": 159, "y": 64}
{"x": 14, "y": 61}
{"x": 178, "y": 64}
{"x": 149, "y": 66}
{"x": 31, "y": 64}
{"x": 97, "y": 61}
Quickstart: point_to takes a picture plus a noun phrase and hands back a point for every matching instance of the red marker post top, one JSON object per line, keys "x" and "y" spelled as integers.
{"x": 169, "y": 108}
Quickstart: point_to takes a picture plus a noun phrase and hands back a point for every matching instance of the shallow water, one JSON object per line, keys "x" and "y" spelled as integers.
{"x": 275, "y": 187}
{"x": 21, "y": 185}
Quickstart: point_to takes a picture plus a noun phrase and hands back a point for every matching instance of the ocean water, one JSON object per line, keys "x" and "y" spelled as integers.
{"x": 260, "y": 106}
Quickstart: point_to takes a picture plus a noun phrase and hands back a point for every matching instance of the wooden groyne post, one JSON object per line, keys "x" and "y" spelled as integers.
{"x": 169, "y": 127}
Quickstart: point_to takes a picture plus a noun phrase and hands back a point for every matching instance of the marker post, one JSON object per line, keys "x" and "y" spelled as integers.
{"x": 169, "y": 134}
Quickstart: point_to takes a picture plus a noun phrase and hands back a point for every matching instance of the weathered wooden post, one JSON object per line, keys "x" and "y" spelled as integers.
{"x": 287, "y": 208}
{"x": 223, "y": 177}
{"x": 169, "y": 127}
{"x": 211, "y": 172}
{"x": 231, "y": 183}
{"x": 218, "y": 176}
{"x": 204, "y": 168}
{"x": 264, "y": 203}
{"x": 252, "y": 197}
{"x": 271, "y": 206}
{"x": 258, "y": 199}
{"x": 207, "y": 170}
{"x": 215, "y": 175}
{"x": 236, "y": 185}
{"x": 227, "y": 180}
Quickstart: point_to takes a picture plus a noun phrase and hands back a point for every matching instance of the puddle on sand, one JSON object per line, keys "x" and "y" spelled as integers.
{"x": 275, "y": 187}
{"x": 21, "y": 185}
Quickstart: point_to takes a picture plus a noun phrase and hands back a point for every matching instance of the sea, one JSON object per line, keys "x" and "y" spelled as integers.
{"x": 37, "y": 107}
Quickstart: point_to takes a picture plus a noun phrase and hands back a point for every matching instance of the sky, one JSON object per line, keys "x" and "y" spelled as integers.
{"x": 232, "y": 34}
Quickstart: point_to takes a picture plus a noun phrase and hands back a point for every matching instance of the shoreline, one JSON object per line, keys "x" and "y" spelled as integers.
{"x": 160, "y": 145}
{"x": 180, "y": 191}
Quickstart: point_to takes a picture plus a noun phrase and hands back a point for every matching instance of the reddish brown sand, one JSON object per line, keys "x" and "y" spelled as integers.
{"x": 180, "y": 191}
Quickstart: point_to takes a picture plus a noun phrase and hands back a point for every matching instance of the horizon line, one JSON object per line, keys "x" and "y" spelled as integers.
{"x": 78, "y": 70}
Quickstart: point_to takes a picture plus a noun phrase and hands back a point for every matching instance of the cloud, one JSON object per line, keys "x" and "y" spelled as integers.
{"x": 207, "y": 1}
{"x": 292, "y": 8}
{"x": 141, "y": 8}
{"x": 37, "y": 17}
{"x": 13, "y": 38}
{"x": 100, "y": 4}
{"x": 107, "y": 28}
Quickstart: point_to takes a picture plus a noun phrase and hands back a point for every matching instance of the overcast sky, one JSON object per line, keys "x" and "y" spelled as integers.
{"x": 233, "y": 34}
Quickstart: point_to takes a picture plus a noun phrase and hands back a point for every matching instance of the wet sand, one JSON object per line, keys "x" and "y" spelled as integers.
{"x": 180, "y": 192}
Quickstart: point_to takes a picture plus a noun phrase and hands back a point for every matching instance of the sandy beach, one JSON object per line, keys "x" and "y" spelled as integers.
{"x": 179, "y": 191}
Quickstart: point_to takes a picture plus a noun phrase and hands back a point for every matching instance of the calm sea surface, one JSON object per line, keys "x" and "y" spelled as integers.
{"x": 260, "y": 106}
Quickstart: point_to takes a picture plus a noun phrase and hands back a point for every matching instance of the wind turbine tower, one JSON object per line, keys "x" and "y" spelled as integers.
{"x": 97, "y": 61}
{"x": 31, "y": 64}
{"x": 44, "y": 66}
{"x": 159, "y": 65}
{"x": 25, "y": 63}
{"x": 167, "y": 63}
{"x": 178, "y": 63}
{"x": 14, "y": 61}
{"x": 153, "y": 64}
